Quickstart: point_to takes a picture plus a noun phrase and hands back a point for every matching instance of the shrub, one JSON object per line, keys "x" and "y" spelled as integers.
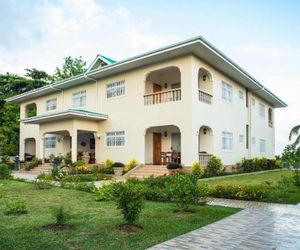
{"x": 85, "y": 178}
{"x": 245, "y": 192}
{"x": 81, "y": 186}
{"x": 118, "y": 165}
{"x": 45, "y": 176}
{"x": 108, "y": 163}
{"x": 215, "y": 165}
{"x": 183, "y": 189}
{"x": 174, "y": 165}
{"x": 106, "y": 192}
{"x": 129, "y": 198}
{"x": 197, "y": 169}
{"x": 80, "y": 167}
{"x": 15, "y": 206}
{"x": 42, "y": 184}
{"x": 61, "y": 215}
{"x": 5, "y": 171}
{"x": 291, "y": 155}
{"x": 296, "y": 178}
{"x": 130, "y": 165}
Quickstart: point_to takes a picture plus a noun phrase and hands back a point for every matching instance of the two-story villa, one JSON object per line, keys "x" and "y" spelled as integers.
{"x": 182, "y": 103}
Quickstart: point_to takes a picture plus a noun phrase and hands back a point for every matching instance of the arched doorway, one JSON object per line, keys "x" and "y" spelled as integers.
{"x": 205, "y": 86}
{"x": 30, "y": 149}
{"x": 205, "y": 144}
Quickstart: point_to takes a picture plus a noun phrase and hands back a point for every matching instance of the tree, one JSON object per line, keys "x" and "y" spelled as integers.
{"x": 39, "y": 75}
{"x": 295, "y": 132}
{"x": 71, "y": 67}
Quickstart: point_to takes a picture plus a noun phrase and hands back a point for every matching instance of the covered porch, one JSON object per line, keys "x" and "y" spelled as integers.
{"x": 162, "y": 145}
{"x": 205, "y": 145}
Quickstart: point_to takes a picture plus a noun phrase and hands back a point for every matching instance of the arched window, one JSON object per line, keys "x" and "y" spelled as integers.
{"x": 30, "y": 110}
{"x": 270, "y": 117}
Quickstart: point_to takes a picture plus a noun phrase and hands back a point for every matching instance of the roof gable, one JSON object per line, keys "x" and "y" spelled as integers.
{"x": 99, "y": 62}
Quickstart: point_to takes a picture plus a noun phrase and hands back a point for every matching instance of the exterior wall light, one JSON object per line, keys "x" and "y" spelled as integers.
{"x": 166, "y": 134}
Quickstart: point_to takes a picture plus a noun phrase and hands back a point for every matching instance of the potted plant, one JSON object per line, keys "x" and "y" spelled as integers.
{"x": 174, "y": 167}
{"x": 118, "y": 168}
{"x": 85, "y": 157}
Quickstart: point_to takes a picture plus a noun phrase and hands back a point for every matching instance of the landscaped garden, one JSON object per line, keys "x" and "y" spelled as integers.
{"x": 27, "y": 214}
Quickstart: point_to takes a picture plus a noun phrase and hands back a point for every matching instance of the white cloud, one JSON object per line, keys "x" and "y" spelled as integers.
{"x": 76, "y": 28}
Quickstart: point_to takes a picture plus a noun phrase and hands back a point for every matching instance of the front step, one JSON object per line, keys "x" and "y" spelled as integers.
{"x": 43, "y": 168}
{"x": 147, "y": 171}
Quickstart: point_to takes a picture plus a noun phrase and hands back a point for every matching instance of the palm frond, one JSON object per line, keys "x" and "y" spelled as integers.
{"x": 297, "y": 141}
{"x": 294, "y": 131}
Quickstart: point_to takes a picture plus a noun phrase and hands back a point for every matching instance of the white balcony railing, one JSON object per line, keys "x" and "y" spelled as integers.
{"x": 205, "y": 97}
{"x": 204, "y": 158}
{"x": 163, "y": 96}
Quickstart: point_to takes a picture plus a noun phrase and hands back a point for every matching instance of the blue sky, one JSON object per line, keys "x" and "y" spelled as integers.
{"x": 261, "y": 36}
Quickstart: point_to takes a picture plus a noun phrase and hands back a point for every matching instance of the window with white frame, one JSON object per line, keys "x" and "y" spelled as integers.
{"x": 226, "y": 92}
{"x": 262, "y": 146}
{"x": 241, "y": 139}
{"x": 227, "y": 141}
{"x": 79, "y": 99}
{"x": 50, "y": 142}
{"x": 115, "y": 89}
{"x": 253, "y": 102}
{"x": 262, "y": 110}
{"x": 241, "y": 95}
{"x": 51, "y": 104}
{"x": 253, "y": 140}
{"x": 115, "y": 139}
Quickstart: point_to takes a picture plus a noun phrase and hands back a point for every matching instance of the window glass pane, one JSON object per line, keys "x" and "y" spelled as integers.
{"x": 115, "y": 139}
{"x": 262, "y": 109}
{"x": 50, "y": 142}
{"x": 51, "y": 104}
{"x": 262, "y": 146}
{"x": 115, "y": 89}
{"x": 227, "y": 141}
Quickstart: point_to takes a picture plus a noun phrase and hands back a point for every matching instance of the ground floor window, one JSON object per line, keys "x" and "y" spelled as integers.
{"x": 50, "y": 142}
{"x": 115, "y": 139}
{"x": 227, "y": 141}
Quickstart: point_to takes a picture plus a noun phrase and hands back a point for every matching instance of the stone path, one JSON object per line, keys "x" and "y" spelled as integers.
{"x": 28, "y": 177}
{"x": 258, "y": 226}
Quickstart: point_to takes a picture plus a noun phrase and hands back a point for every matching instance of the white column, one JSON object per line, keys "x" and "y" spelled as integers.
{"x": 74, "y": 146}
{"x": 40, "y": 148}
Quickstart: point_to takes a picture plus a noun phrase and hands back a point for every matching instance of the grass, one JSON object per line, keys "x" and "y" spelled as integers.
{"x": 277, "y": 194}
{"x": 94, "y": 224}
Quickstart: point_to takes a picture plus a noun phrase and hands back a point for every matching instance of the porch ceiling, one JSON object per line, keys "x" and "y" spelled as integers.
{"x": 63, "y": 115}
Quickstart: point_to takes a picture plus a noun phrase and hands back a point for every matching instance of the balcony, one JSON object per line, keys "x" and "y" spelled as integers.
{"x": 205, "y": 97}
{"x": 172, "y": 95}
{"x": 204, "y": 159}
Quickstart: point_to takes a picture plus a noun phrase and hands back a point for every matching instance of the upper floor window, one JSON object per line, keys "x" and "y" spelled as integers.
{"x": 115, "y": 89}
{"x": 79, "y": 99}
{"x": 51, "y": 104}
{"x": 262, "y": 109}
{"x": 226, "y": 92}
{"x": 241, "y": 95}
{"x": 253, "y": 102}
{"x": 227, "y": 141}
{"x": 262, "y": 146}
{"x": 115, "y": 139}
{"x": 30, "y": 110}
{"x": 270, "y": 117}
{"x": 50, "y": 142}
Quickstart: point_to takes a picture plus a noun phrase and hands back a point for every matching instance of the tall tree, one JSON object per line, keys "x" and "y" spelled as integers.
{"x": 295, "y": 132}
{"x": 71, "y": 67}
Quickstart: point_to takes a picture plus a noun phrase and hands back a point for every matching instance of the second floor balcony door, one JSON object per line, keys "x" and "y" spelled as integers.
{"x": 156, "y": 88}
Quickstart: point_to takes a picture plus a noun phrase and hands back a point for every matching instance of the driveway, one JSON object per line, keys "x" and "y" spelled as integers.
{"x": 258, "y": 226}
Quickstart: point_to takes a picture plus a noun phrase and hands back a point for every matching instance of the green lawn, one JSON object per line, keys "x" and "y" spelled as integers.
{"x": 95, "y": 224}
{"x": 290, "y": 195}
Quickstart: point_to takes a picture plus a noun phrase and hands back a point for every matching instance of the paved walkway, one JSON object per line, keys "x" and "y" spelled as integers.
{"x": 28, "y": 177}
{"x": 258, "y": 226}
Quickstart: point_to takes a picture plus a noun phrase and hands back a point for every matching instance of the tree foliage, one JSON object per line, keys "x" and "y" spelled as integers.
{"x": 295, "y": 131}
{"x": 71, "y": 67}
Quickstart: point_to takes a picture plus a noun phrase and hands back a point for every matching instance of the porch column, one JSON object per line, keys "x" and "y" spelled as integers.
{"x": 74, "y": 146}
{"x": 40, "y": 148}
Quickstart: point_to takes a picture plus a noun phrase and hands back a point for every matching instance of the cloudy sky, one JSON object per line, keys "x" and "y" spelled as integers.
{"x": 261, "y": 36}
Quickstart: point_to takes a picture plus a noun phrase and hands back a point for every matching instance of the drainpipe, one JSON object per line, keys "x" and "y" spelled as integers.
{"x": 62, "y": 95}
{"x": 96, "y": 81}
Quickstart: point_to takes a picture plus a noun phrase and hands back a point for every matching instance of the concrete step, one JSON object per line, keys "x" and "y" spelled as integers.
{"x": 149, "y": 170}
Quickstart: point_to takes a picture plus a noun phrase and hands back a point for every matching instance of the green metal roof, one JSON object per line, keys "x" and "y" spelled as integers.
{"x": 197, "y": 46}
{"x": 60, "y": 115}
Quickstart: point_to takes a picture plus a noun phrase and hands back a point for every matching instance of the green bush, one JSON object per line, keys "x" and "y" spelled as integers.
{"x": 296, "y": 178}
{"x": 130, "y": 165}
{"x": 106, "y": 192}
{"x": 183, "y": 189}
{"x": 81, "y": 186}
{"x": 61, "y": 215}
{"x": 174, "y": 165}
{"x": 5, "y": 171}
{"x": 42, "y": 184}
{"x": 32, "y": 164}
{"x": 129, "y": 198}
{"x": 85, "y": 178}
{"x": 239, "y": 192}
{"x": 215, "y": 165}
{"x": 291, "y": 155}
{"x": 15, "y": 206}
{"x": 197, "y": 169}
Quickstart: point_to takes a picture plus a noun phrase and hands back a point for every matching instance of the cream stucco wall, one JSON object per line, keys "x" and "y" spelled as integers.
{"x": 129, "y": 113}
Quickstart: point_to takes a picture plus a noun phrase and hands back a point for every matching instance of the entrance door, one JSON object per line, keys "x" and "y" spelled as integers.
{"x": 157, "y": 97}
{"x": 157, "y": 148}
